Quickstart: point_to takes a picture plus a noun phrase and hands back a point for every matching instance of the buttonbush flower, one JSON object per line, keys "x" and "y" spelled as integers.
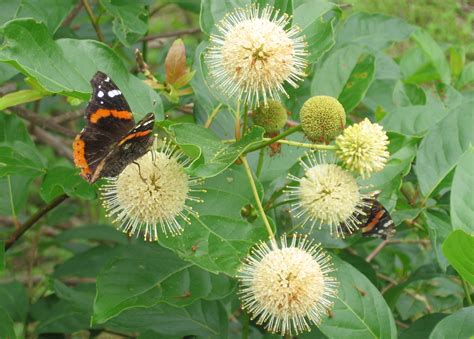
{"x": 254, "y": 53}
{"x": 287, "y": 286}
{"x": 327, "y": 195}
{"x": 363, "y": 148}
{"x": 151, "y": 192}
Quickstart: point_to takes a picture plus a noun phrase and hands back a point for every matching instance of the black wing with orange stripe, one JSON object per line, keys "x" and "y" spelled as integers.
{"x": 110, "y": 138}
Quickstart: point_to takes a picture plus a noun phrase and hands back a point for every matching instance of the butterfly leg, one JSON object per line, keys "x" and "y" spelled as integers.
{"x": 139, "y": 171}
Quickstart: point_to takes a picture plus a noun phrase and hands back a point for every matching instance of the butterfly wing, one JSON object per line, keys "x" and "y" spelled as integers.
{"x": 379, "y": 223}
{"x": 108, "y": 120}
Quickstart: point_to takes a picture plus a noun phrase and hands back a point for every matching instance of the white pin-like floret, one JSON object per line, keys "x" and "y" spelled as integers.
{"x": 327, "y": 195}
{"x": 254, "y": 52}
{"x": 287, "y": 287}
{"x": 363, "y": 148}
{"x": 149, "y": 193}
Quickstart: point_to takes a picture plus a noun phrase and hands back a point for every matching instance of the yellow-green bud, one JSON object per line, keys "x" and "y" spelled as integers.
{"x": 271, "y": 116}
{"x": 322, "y": 118}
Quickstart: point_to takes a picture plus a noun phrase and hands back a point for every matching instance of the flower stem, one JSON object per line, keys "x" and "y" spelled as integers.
{"x": 306, "y": 145}
{"x": 212, "y": 115}
{"x": 275, "y": 139}
{"x": 467, "y": 290}
{"x": 261, "y": 159}
{"x": 245, "y": 118}
{"x": 237, "y": 121}
{"x": 257, "y": 198}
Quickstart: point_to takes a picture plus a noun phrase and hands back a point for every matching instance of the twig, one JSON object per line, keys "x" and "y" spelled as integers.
{"x": 275, "y": 139}
{"x": 68, "y": 116}
{"x": 171, "y": 34}
{"x": 88, "y": 8}
{"x": 59, "y": 146}
{"x": 400, "y": 324}
{"x": 376, "y": 250}
{"x": 4, "y": 221}
{"x": 212, "y": 115}
{"x": 291, "y": 123}
{"x": 41, "y": 121}
{"x": 33, "y": 219}
{"x": 305, "y": 145}
{"x": 74, "y": 12}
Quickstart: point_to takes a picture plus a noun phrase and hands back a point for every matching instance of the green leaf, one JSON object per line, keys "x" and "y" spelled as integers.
{"x": 20, "y": 159}
{"x": 213, "y": 11}
{"x": 214, "y": 156}
{"x": 206, "y": 319}
{"x": 458, "y": 250}
{"x": 65, "y": 66}
{"x": 158, "y": 276}
{"x": 432, "y": 50}
{"x": 443, "y": 147}
{"x": 6, "y": 72}
{"x": 20, "y": 97}
{"x": 376, "y": 31}
{"x": 14, "y": 198}
{"x": 50, "y": 12}
{"x": 345, "y": 74}
{"x": 416, "y": 67}
{"x": 358, "y": 83}
{"x": 2, "y": 256}
{"x": 360, "y": 310}
{"x": 317, "y": 19}
{"x": 457, "y": 325}
{"x": 457, "y": 57}
{"x": 462, "y": 204}
{"x": 14, "y": 301}
{"x": 6, "y": 325}
{"x": 422, "y": 327}
{"x": 130, "y": 19}
{"x": 216, "y": 243}
{"x": 105, "y": 233}
{"x": 9, "y": 9}
{"x": 59, "y": 180}
{"x": 439, "y": 227}
{"x": 467, "y": 75}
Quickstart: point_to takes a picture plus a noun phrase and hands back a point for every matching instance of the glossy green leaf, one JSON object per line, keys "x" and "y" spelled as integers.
{"x": 50, "y": 12}
{"x": 360, "y": 310}
{"x": 216, "y": 243}
{"x": 130, "y": 19}
{"x": 207, "y": 319}
{"x": 376, "y": 31}
{"x": 14, "y": 300}
{"x": 214, "y": 156}
{"x": 443, "y": 147}
{"x": 458, "y": 250}
{"x": 434, "y": 52}
{"x": 462, "y": 204}
{"x": 65, "y": 66}
{"x": 456, "y": 326}
{"x": 61, "y": 179}
{"x": 6, "y": 325}
{"x": 213, "y": 11}
{"x": 158, "y": 276}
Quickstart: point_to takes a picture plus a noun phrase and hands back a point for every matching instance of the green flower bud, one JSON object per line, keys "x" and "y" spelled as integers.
{"x": 271, "y": 116}
{"x": 322, "y": 118}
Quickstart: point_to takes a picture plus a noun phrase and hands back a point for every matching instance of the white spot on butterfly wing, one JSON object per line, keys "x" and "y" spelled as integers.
{"x": 114, "y": 93}
{"x": 107, "y": 79}
{"x": 101, "y": 102}
{"x": 100, "y": 94}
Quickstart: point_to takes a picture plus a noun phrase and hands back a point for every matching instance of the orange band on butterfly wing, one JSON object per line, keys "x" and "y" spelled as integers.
{"x": 103, "y": 113}
{"x": 374, "y": 221}
{"x": 134, "y": 135}
{"x": 80, "y": 157}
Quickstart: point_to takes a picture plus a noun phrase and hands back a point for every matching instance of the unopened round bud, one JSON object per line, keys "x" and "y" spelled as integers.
{"x": 322, "y": 118}
{"x": 271, "y": 116}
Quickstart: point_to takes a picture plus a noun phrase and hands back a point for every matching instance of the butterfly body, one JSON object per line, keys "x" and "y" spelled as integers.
{"x": 110, "y": 140}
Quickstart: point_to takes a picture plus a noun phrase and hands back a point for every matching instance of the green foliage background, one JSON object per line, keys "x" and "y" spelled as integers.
{"x": 74, "y": 273}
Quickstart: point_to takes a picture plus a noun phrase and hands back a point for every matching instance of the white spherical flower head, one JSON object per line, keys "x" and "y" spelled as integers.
{"x": 327, "y": 195}
{"x": 150, "y": 192}
{"x": 254, "y": 54}
{"x": 287, "y": 287}
{"x": 363, "y": 148}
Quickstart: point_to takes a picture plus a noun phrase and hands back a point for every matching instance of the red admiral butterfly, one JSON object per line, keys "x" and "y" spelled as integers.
{"x": 111, "y": 140}
{"x": 375, "y": 220}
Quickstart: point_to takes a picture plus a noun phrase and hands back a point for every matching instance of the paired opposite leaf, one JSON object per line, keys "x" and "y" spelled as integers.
{"x": 458, "y": 249}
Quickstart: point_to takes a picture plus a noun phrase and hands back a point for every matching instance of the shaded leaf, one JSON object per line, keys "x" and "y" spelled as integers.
{"x": 458, "y": 250}
{"x": 59, "y": 180}
{"x": 213, "y": 11}
{"x": 6, "y": 325}
{"x": 20, "y": 159}
{"x": 2, "y": 256}
{"x": 50, "y": 12}
{"x": 14, "y": 300}
{"x": 439, "y": 228}
{"x": 467, "y": 75}
{"x": 462, "y": 204}
{"x": 422, "y": 327}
